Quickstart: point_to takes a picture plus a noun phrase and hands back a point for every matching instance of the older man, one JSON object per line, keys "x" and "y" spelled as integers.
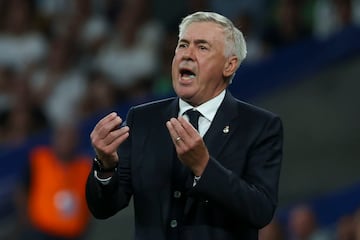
{"x": 202, "y": 165}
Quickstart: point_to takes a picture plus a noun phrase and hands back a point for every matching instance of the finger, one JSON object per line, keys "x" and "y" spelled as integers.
{"x": 173, "y": 134}
{"x": 113, "y": 135}
{"x": 104, "y": 128}
{"x": 188, "y": 127}
{"x": 106, "y": 119}
{"x": 95, "y": 133}
{"x": 114, "y": 145}
{"x": 180, "y": 129}
{"x": 110, "y": 145}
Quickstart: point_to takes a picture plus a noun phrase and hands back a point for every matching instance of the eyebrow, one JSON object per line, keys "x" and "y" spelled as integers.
{"x": 197, "y": 41}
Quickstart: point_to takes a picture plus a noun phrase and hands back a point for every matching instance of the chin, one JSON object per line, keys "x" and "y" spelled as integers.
{"x": 184, "y": 93}
{"x": 185, "y": 97}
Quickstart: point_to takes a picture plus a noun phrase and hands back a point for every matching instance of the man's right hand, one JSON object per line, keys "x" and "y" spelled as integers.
{"x": 106, "y": 137}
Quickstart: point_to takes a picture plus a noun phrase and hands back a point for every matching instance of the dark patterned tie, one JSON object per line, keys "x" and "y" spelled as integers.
{"x": 193, "y": 115}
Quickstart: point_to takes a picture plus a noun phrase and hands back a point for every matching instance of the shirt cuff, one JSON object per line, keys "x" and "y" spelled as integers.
{"x": 103, "y": 181}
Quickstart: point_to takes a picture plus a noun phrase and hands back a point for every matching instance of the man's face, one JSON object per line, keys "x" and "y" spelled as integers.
{"x": 199, "y": 63}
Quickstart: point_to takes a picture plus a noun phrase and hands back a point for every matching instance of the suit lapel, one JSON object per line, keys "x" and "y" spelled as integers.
{"x": 168, "y": 154}
{"x": 221, "y": 128}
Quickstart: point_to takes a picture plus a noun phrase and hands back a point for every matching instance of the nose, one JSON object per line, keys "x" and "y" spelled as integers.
{"x": 188, "y": 54}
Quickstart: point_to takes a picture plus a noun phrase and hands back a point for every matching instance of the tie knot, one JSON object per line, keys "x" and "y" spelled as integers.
{"x": 193, "y": 115}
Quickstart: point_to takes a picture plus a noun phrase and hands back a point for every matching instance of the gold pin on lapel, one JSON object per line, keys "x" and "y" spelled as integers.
{"x": 226, "y": 129}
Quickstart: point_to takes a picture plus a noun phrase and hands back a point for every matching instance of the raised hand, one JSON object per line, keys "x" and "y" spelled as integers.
{"x": 189, "y": 145}
{"x": 106, "y": 137}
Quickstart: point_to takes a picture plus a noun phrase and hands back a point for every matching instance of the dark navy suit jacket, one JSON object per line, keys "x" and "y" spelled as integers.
{"x": 237, "y": 193}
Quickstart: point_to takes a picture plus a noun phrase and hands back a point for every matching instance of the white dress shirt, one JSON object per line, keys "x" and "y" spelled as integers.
{"x": 207, "y": 109}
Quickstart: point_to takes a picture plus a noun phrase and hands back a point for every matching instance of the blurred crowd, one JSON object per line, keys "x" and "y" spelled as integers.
{"x": 302, "y": 224}
{"x": 62, "y": 61}
{"x": 67, "y": 59}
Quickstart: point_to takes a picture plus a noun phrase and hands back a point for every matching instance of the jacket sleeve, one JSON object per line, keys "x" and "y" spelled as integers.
{"x": 105, "y": 201}
{"x": 250, "y": 196}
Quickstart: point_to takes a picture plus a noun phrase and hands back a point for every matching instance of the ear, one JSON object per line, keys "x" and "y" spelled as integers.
{"x": 230, "y": 66}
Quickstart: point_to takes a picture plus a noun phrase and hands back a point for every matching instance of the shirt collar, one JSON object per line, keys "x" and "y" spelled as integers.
{"x": 207, "y": 109}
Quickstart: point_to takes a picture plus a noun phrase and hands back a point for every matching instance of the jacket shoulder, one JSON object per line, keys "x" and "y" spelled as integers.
{"x": 255, "y": 110}
{"x": 157, "y": 104}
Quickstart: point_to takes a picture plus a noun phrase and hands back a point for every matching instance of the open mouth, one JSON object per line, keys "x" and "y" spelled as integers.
{"x": 187, "y": 74}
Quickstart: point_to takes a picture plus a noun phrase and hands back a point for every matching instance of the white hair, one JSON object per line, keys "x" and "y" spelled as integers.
{"x": 235, "y": 44}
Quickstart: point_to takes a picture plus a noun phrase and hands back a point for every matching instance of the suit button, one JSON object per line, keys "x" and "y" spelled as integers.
{"x": 177, "y": 194}
{"x": 173, "y": 223}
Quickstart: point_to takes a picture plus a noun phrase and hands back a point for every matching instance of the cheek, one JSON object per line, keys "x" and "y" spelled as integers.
{"x": 210, "y": 71}
{"x": 174, "y": 69}
{"x": 174, "y": 60}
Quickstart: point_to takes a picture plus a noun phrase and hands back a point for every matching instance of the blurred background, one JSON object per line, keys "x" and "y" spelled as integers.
{"x": 67, "y": 63}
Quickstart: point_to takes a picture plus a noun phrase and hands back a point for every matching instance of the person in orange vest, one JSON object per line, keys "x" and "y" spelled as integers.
{"x": 53, "y": 190}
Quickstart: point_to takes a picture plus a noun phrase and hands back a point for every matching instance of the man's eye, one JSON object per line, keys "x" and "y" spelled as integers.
{"x": 182, "y": 45}
{"x": 203, "y": 47}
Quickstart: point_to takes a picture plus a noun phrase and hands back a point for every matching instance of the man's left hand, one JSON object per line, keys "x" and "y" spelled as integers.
{"x": 189, "y": 145}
